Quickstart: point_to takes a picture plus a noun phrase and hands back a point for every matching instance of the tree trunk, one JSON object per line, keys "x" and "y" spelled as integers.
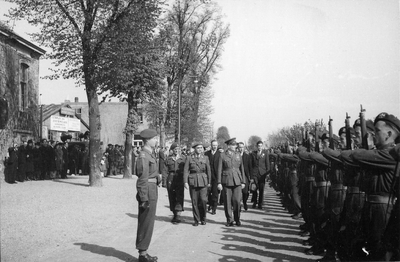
{"x": 129, "y": 129}
{"x": 162, "y": 133}
{"x": 128, "y": 156}
{"x": 94, "y": 137}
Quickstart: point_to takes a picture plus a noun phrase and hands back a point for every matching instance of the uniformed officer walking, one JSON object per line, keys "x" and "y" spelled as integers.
{"x": 197, "y": 178}
{"x": 173, "y": 172}
{"x": 147, "y": 193}
{"x": 231, "y": 181}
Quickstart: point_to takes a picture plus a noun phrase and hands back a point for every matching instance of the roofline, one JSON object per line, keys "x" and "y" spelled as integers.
{"x": 22, "y": 41}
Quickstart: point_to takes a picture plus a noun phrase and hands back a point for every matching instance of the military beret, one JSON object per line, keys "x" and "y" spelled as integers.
{"x": 324, "y": 136}
{"x": 173, "y": 146}
{"x": 370, "y": 125}
{"x": 231, "y": 141}
{"x": 388, "y": 118}
{"x": 148, "y": 133}
{"x": 197, "y": 144}
{"x": 357, "y": 123}
{"x": 343, "y": 130}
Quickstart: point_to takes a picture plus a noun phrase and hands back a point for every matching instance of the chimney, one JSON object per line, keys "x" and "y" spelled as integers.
{"x": 76, "y": 99}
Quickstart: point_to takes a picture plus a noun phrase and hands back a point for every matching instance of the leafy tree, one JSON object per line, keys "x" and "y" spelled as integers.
{"x": 296, "y": 133}
{"x": 252, "y": 142}
{"x": 222, "y": 135}
{"x": 78, "y": 32}
{"x": 192, "y": 36}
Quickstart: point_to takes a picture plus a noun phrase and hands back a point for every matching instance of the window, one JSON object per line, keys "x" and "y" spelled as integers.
{"x": 23, "y": 91}
{"x": 78, "y": 110}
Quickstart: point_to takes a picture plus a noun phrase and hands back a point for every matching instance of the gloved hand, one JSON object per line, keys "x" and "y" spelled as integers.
{"x": 186, "y": 185}
{"x": 144, "y": 205}
{"x": 219, "y": 187}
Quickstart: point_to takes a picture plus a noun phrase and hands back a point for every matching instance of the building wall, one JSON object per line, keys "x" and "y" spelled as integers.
{"x": 113, "y": 116}
{"x": 21, "y": 124}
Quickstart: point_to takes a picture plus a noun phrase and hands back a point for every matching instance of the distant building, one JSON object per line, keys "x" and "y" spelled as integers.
{"x": 113, "y": 116}
{"x": 19, "y": 90}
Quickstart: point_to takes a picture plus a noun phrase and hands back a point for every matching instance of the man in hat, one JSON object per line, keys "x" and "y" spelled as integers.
{"x": 379, "y": 167}
{"x": 173, "y": 172}
{"x": 213, "y": 156}
{"x": 197, "y": 177}
{"x": 231, "y": 181}
{"x": 260, "y": 169}
{"x": 147, "y": 192}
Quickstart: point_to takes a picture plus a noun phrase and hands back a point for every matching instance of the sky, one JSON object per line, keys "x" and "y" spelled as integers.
{"x": 287, "y": 61}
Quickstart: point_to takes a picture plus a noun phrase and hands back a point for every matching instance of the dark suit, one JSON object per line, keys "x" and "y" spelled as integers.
{"x": 213, "y": 193}
{"x": 246, "y": 160}
{"x": 260, "y": 169}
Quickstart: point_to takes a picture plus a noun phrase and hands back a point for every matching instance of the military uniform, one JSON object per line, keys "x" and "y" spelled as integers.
{"x": 197, "y": 174}
{"x": 231, "y": 176}
{"x": 173, "y": 172}
{"x": 147, "y": 194}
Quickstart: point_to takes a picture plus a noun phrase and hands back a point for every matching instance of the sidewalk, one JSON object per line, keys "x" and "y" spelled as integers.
{"x": 99, "y": 224}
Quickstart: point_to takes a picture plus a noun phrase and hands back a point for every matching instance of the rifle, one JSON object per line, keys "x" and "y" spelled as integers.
{"x": 364, "y": 135}
{"x": 316, "y": 137}
{"x": 348, "y": 138}
{"x": 307, "y": 142}
{"x": 331, "y": 144}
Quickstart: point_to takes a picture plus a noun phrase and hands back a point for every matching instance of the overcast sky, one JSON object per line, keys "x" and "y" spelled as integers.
{"x": 289, "y": 61}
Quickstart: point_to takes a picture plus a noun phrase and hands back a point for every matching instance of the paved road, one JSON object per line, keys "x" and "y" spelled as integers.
{"x": 66, "y": 221}
{"x": 265, "y": 235}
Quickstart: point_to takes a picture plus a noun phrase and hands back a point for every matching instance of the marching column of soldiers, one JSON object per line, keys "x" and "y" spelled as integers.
{"x": 345, "y": 189}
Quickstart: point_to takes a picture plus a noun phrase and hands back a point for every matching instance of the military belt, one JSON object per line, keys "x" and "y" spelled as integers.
{"x": 310, "y": 178}
{"x": 152, "y": 180}
{"x": 354, "y": 190}
{"x": 337, "y": 187}
{"x": 378, "y": 199}
{"x": 323, "y": 183}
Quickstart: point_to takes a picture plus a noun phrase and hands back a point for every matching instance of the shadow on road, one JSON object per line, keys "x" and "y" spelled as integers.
{"x": 106, "y": 251}
{"x": 71, "y": 183}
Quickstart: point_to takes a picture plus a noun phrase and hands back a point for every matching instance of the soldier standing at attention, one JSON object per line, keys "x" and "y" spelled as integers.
{"x": 197, "y": 177}
{"x": 147, "y": 193}
{"x": 379, "y": 168}
{"x": 173, "y": 172}
{"x": 231, "y": 181}
{"x": 260, "y": 169}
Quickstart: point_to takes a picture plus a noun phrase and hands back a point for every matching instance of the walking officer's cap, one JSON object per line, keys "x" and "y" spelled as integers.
{"x": 110, "y": 145}
{"x": 231, "y": 141}
{"x": 148, "y": 133}
{"x": 197, "y": 144}
{"x": 388, "y": 118}
{"x": 173, "y": 146}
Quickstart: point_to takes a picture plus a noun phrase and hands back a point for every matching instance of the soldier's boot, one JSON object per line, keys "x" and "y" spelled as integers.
{"x": 147, "y": 258}
{"x": 178, "y": 217}
{"x": 174, "y": 218}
